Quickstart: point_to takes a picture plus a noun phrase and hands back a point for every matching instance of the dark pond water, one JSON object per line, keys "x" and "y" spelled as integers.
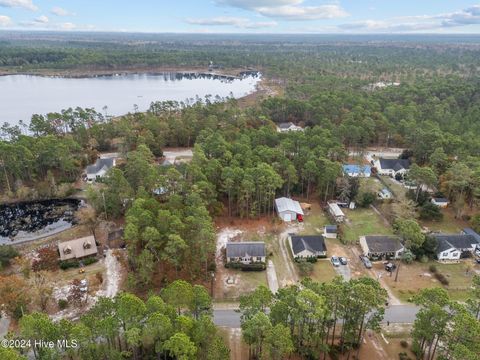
{"x": 24, "y": 95}
{"x": 26, "y": 221}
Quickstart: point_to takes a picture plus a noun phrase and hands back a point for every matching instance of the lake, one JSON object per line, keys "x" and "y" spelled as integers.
{"x": 21, "y": 96}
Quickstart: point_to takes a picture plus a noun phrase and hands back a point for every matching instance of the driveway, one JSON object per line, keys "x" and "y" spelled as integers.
{"x": 344, "y": 271}
{"x": 291, "y": 271}
{"x": 272, "y": 277}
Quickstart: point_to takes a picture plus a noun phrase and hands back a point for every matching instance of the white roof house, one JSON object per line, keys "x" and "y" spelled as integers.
{"x": 100, "y": 168}
{"x": 288, "y": 209}
{"x": 440, "y": 202}
{"x": 336, "y": 212}
{"x": 288, "y": 126}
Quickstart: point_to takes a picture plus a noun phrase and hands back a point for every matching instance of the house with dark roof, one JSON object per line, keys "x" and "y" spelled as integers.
{"x": 99, "y": 169}
{"x": 377, "y": 247}
{"x": 392, "y": 167}
{"x": 288, "y": 209}
{"x": 288, "y": 126}
{"x": 307, "y": 246}
{"x": 330, "y": 231}
{"x": 440, "y": 202}
{"x": 357, "y": 170}
{"x": 455, "y": 246}
{"x": 246, "y": 252}
{"x": 77, "y": 248}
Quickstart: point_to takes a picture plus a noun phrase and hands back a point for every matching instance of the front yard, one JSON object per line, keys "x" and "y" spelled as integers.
{"x": 414, "y": 277}
{"x": 323, "y": 271}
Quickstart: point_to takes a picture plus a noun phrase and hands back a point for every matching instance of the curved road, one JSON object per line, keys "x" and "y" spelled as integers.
{"x": 395, "y": 314}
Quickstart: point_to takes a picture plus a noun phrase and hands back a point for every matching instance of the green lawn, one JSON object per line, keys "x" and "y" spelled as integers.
{"x": 315, "y": 221}
{"x": 416, "y": 276}
{"x": 323, "y": 271}
{"x": 362, "y": 222}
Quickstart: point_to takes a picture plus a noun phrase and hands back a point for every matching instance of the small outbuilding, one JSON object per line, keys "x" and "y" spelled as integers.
{"x": 377, "y": 247}
{"x": 246, "y": 252}
{"x": 336, "y": 212}
{"x": 308, "y": 246}
{"x": 330, "y": 231}
{"x": 78, "y": 248}
{"x": 288, "y": 210}
{"x": 384, "y": 194}
{"x": 440, "y": 202}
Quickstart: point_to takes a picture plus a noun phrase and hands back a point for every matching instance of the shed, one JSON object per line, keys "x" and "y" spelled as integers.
{"x": 330, "y": 231}
{"x": 336, "y": 212}
{"x": 78, "y": 248}
{"x": 384, "y": 194}
{"x": 288, "y": 209}
{"x": 440, "y": 202}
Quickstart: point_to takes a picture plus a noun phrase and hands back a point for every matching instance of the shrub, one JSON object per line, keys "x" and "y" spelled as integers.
{"x": 312, "y": 260}
{"x": 68, "y": 264}
{"x": 404, "y": 344}
{"x": 365, "y": 199}
{"x": 443, "y": 280}
{"x": 99, "y": 277}
{"x": 305, "y": 267}
{"x": 62, "y": 304}
{"x": 430, "y": 211}
{"x": 424, "y": 259}
{"x": 433, "y": 269}
{"x": 89, "y": 260}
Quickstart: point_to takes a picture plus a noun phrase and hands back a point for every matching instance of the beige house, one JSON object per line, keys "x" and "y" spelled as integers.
{"x": 78, "y": 248}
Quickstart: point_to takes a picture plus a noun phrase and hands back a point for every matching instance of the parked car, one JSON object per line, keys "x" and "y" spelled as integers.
{"x": 390, "y": 267}
{"x": 366, "y": 261}
{"x": 335, "y": 261}
{"x": 343, "y": 260}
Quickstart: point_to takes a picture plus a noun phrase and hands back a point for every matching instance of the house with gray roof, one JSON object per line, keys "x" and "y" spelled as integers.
{"x": 377, "y": 247}
{"x": 288, "y": 209}
{"x": 246, "y": 252}
{"x": 307, "y": 246}
{"x": 455, "y": 246}
{"x": 99, "y": 169}
{"x": 392, "y": 167}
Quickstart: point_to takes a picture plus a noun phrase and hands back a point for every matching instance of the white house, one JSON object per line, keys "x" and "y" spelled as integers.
{"x": 381, "y": 247}
{"x": 455, "y": 246}
{"x": 246, "y": 252}
{"x": 288, "y": 209}
{"x": 357, "y": 170}
{"x": 288, "y": 126}
{"x": 99, "y": 169}
{"x": 336, "y": 212}
{"x": 440, "y": 202}
{"x": 384, "y": 194}
{"x": 306, "y": 246}
{"x": 330, "y": 231}
{"x": 392, "y": 167}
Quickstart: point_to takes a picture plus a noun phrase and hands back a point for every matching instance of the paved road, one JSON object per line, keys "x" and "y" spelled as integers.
{"x": 397, "y": 314}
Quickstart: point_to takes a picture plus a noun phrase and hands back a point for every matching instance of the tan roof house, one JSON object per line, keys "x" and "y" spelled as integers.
{"x": 78, "y": 248}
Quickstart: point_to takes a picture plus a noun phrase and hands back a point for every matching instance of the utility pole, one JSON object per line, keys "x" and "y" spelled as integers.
{"x": 396, "y": 274}
{"x": 104, "y": 205}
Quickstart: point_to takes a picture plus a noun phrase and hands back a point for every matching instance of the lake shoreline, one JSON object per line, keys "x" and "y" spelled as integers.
{"x": 89, "y": 73}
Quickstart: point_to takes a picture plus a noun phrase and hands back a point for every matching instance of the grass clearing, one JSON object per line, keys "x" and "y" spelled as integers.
{"x": 414, "y": 277}
{"x": 448, "y": 224}
{"x": 399, "y": 190}
{"x": 370, "y": 184}
{"x": 363, "y": 222}
{"x": 323, "y": 271}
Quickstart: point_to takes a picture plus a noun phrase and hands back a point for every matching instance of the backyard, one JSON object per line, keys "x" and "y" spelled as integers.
{"x": 363, "y": 222}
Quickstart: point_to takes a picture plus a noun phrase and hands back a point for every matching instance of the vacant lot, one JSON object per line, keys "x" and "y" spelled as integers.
{"x": 447, "y": 225}
{"x": 363, "y": 222}
{"x": 414, "y": 277}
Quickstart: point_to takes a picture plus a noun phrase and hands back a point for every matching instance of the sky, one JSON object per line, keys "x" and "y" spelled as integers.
{"x": 244, "y": 16}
